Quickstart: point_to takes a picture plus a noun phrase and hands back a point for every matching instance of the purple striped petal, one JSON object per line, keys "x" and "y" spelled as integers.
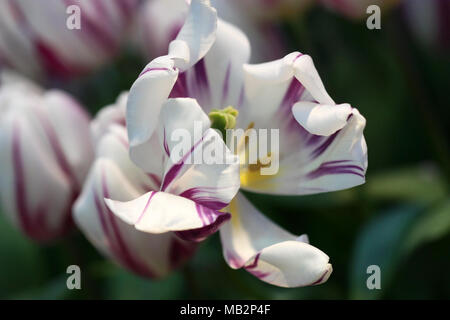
{"x": 34, "y": 222}
{"x": 336, "y": 167}
{"x": 212, "y": 220}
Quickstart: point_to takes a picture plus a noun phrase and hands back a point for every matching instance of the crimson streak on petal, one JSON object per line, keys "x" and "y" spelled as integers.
{"x": 210, "y": 202}
{"x": 212, "y": 220}
{"x": 176, "y": 168}
{"x": 114, "y": 237}
{"x": 34, "y": 223}
{"x": 336, "y": 167}
{"x": 152, "y": 69}
{"x": 251, "y": 268}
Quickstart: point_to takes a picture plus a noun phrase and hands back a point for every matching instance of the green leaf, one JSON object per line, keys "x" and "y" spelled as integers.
{"x": 418, "y": 184}
{"x": 429, "y": 227}
{"x": 388, "y": 239}
{"x": 379, "y": 244}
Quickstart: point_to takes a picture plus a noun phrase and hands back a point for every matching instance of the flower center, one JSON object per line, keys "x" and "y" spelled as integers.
{"x": 250, "y": 173}
{"x": 223, "y": 119}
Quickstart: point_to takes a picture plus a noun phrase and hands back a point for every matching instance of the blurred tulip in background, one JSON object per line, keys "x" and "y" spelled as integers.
{"x": 46, "y": 154}
{"x": 35, "y": 39}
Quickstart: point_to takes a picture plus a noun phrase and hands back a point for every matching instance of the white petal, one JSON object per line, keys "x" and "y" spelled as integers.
{"x": 263, "y": 74}
{"x": 265, "y": 87}
{"x": 224, "y": 66}
{"x": 268, "y": 89}
{"x": 114, "y": 146}
{"x": 252, "y": 241}
{"x": 191, "y": 173}
{"x": 111, "y": 114}
{"x": 27, "y": 163}
{"x": 318, "y": 164}
{"x": 11, "y": 79}
{"x": 306, "y": 73}
{"x": 212, "y": 184}
{"x": 149, "y": 156}
{"x": 319, "y": 119}
{"x": 321, "y": 145}
{"x": 181, "y": 115}
{"x": 198, "y": 33}
{"x": 216, "y": 81}
{"x": 70, "y": 124}
{"x": 146, "y": 97}
{"x": 159, "y": 212}
{"x": 149, "y": 255}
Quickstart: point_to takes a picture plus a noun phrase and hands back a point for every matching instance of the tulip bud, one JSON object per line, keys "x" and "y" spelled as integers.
{"x": 46, "y": 153}
{"x": 114, "y": 176}
{"x": 61, "y": 38}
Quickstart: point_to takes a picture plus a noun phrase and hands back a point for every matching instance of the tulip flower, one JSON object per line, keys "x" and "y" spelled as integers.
{"x": 321, "y": 145}
{"x": 356, "y": 9}
{"x": 46, "y": 154}
{"x": 36, "y": 40}
{"x": 114, "y": 176}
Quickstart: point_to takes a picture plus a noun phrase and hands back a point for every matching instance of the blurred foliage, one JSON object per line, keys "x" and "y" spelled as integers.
{"x": 399, "y": 220}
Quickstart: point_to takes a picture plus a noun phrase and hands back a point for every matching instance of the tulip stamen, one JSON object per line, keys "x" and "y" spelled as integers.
{"x": 223, "y": 119}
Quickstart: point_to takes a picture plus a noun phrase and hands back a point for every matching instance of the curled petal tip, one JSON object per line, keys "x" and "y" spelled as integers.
{"x": 324, "y": 277}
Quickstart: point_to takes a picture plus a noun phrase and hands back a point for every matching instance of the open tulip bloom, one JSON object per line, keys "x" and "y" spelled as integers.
{"x": 321, "y": 147}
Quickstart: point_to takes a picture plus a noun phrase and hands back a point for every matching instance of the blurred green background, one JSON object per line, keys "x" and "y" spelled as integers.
{"x": 399, "y": 220}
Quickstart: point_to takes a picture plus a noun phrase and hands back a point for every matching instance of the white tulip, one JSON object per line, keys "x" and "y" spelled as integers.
{"x": 46, "y": 151}
{"x": 321, "y": 145}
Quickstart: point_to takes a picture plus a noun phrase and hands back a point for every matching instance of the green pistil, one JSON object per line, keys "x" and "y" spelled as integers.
{"x": 223, "y": 119}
